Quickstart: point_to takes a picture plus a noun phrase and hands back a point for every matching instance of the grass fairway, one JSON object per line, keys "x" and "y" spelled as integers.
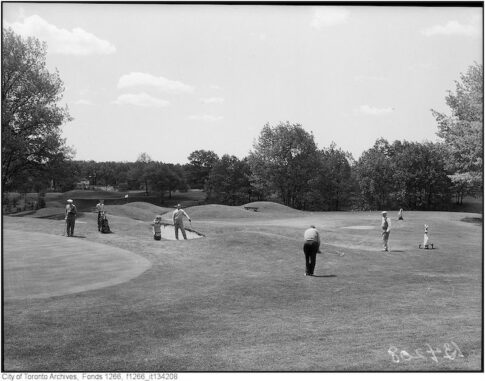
{"x": 238, "y": 300}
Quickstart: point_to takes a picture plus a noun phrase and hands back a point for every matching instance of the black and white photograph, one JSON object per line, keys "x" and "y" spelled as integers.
{"x": 241, "y": 187}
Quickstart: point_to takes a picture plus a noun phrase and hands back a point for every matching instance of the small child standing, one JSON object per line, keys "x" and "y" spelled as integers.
{"x": 157, "y": 231}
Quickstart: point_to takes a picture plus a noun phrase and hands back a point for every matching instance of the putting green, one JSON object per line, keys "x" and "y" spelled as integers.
{"x": 39, "y": 265}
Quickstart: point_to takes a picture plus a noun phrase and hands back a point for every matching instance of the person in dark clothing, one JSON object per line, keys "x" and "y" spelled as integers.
{"x": 311, "y": 247}
{"x": 70, "y": 218}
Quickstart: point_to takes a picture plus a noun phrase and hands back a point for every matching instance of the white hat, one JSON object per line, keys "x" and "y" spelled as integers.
{"x": 384, "y": 212}
{"x": 69, "y": 200}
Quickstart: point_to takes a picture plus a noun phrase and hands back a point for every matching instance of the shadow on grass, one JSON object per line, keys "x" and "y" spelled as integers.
{"x": 324, "y": 276}
{"x": 472, "y": 220}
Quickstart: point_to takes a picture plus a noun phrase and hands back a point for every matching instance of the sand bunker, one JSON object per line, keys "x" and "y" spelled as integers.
{"x": 168, "y": 232}
{"x": 43, "y": 265}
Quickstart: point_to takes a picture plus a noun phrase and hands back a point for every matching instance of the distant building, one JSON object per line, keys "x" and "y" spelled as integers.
{"x": 83, "y": 184}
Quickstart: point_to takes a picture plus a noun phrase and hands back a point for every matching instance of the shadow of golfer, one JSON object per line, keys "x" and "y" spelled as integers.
{"x": 79, "y": 236}
{"x": 325, "y": 276}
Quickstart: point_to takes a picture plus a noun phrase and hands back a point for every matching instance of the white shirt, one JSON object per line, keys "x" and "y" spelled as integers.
{"x": 311, "y": 234}
{"x": 388, "y": 223}
{"x": 178, "y": 216}
{"x": 100, "y": 207}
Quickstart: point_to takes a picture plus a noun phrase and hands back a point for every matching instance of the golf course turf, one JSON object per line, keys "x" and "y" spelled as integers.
{"x": 238, "y": 299}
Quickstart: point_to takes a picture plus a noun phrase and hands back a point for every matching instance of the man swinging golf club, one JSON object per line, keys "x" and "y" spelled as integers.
{"x": 178, "y": 221}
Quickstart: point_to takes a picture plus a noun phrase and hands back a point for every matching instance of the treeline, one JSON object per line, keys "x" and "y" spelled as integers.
{"x": 284, "y": 165}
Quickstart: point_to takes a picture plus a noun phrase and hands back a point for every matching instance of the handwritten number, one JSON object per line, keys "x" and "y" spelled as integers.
{"x": 457, "y": 348}
{"x": 447, "y": 355}
{"x": 451, "y": 351}
{"x": 392, "y": 351}
{"x": 406, "y": 356}
{"x": 431, "y": 352}
{"x": 419, "y": 352}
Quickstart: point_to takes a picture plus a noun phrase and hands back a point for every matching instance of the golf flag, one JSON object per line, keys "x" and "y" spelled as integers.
{"x": 126, "y": 196}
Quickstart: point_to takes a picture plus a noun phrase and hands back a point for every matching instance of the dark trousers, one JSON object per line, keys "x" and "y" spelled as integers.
{"x": 310, "y": 248}
{"x": 70, "y": 222}
{"x": 181, "y": 227}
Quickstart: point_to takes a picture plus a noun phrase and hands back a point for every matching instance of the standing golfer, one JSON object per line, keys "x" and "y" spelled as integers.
{"x": 70, "y": 218}
{"x": 426, "y": 237}
{"x": 386, "y": 230}
{"x": 178, "y": 221}
{"x": 311, "y": 247}
{"x": 100, "y": 210}
{"x": 399, "y": 215}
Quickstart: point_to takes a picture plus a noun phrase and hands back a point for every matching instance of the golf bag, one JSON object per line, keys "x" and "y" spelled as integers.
{"x": 103, "y": 224}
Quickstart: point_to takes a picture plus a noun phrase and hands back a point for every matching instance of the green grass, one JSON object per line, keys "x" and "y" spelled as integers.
{"x": 237, "y": 300}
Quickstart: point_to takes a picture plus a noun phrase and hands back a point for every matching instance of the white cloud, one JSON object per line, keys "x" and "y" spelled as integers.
{"x": 371, "y": 110}
{"x": 212, "y": 100}
{"x": 83, "y": 102}
{"x": 206, "y": 118}
{"x": 215, "y": 87}
{"x": 140, "y": 99}
{"x": 160, "y": 83}
{"x": 62, "y": 41}
{"x": 455, "y": 28}
{"x": 329, "y": 16}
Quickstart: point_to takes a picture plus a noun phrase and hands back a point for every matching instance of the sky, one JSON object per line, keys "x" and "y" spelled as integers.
{"x": 171, "y": 79}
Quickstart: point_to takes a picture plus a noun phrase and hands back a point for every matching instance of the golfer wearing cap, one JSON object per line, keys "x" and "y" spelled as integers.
{"x": 386, "y": 230}
{"x": 311, "y": 247}
{"x": 178, "y": 221}
{"x": 70, "y": 218}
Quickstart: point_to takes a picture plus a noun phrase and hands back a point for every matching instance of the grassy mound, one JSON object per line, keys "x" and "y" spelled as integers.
{"x": 142, "y": 211}
{"x": 216, "y": 211}
{"x": 271, "y": 207}
{"x": 90, "y": 194}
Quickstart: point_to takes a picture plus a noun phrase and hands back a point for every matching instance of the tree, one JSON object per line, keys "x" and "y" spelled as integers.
{"x": 200, "y": 165}
{"x": 284, "y": 159}
{"x": 31, "y": 116}
{"x": 333, "y": 181}
{"x": 230, "y": 180}
{"x": 462, "y": 131}
{"x": 374, "y": 172}
{"x": 141, "y": 170}
{"x": 403, "y": 174}
{"x": 175, "y": 178}
{"x": 420, "y": 179}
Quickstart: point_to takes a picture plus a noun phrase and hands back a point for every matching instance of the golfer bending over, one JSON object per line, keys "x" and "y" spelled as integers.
{"x": 178, "y": 221}
{"x": 311, "y": 247}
